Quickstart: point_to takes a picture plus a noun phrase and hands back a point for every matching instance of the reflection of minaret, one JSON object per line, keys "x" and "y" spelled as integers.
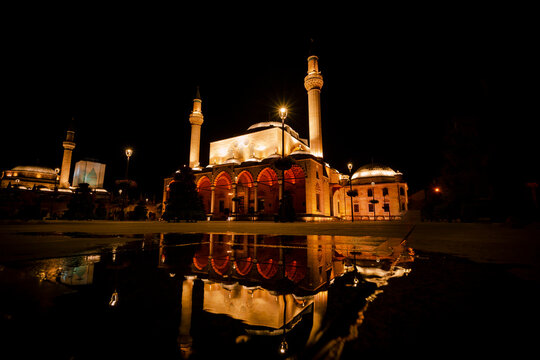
{"x": 69, "y": 145}
{"x": 184, "y": 332}
{"x": 313, "y": 83}
{"x": 196, "y": 119}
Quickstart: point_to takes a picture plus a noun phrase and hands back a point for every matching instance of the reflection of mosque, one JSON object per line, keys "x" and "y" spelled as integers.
{"x": 207, "y": 292}
{"x": 281, "y": 287}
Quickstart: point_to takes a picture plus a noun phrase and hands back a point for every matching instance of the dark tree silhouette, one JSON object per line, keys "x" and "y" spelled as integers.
{"x": 184, "y": 202}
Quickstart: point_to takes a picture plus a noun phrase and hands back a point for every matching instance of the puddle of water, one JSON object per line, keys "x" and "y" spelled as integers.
{"x": 199, "y": 295}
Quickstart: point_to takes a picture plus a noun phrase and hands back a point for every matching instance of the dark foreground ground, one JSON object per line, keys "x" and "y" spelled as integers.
{"x": 471, "y": 291}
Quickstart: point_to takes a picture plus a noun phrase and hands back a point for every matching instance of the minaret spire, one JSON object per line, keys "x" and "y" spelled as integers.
{"x": 69, "y": 145}
{"x": 313, "y": 83}
{"x": 195, "y": 119}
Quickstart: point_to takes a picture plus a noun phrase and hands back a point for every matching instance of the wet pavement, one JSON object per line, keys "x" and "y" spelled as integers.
{"x": 238, "y": 295}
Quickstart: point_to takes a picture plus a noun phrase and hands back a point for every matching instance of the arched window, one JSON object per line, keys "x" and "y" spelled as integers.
{"x": 385, "y": 191}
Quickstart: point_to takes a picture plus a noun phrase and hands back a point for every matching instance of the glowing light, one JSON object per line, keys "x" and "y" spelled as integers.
{"x": 114, "y": 299}
{"x": 283, "y": 347}
{"x": 283, "y": 113}
{"x": 129, "y": 152}
{"x": 374, "y": 172}
{"x": 437, "y": 189}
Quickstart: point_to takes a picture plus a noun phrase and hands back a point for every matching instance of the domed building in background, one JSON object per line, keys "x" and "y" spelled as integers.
{"x": 380, "y": 193}
{"x": 36, "y": 192}
{"x": 30, "y": 177}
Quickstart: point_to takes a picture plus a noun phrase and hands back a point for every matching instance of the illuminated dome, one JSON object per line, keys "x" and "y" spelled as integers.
{"x": 35, "y": 169}
{"x": 376, "y": 173}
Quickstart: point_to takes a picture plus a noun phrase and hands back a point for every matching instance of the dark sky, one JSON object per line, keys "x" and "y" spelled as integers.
{"x": 391, "y": 85}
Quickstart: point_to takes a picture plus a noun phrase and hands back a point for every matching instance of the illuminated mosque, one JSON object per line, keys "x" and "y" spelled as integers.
{"x": 243, "y": 180}
{"x": 47, "y": 179}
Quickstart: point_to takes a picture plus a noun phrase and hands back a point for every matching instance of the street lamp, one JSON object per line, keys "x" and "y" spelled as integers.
{"x": 55, "y": 192}
{"x": 349, "y": 166}
{"x": 283, "y": 116}
{"x": 129, "y": 152}
{"x": 373, "y": 201}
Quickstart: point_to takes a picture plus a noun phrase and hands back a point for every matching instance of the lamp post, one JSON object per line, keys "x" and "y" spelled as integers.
{"x": 55, "y": 192}
{"x": 283, "y": 116}
{"x": 349, "y": 166}
{"x": 129, "y": 152}
{"x": 373, "y": 201}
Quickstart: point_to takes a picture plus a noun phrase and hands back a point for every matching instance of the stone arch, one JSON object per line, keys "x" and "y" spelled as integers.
{"x": 223, "y": 195}
{"x": 268, "y": 192}
{"x": 204, "y": 188}
{"x": 267, "y": 175}
{"x": 295, "y": 185}
{"x": 245, "y": 193}
{"x": 223, "y": 175}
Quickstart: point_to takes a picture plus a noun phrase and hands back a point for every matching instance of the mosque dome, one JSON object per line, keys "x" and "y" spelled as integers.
{"x": 35, "y": 169}
{"x": 375, "y": 173}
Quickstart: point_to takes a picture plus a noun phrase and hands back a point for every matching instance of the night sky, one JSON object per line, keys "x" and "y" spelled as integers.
{"x": 391, "y": 87}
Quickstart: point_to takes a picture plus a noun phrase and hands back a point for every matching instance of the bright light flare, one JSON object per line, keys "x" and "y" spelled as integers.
{"x": 283, "y": 112}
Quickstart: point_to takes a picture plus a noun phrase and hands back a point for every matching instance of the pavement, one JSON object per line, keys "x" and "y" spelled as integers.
{"x": 495, "y": 243}
{"x": 472, "y": 289}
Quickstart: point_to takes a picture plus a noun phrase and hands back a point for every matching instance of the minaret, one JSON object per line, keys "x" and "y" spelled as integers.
{"x": 195, "y": 119}
{"x": 69, "y": 145}
{"x": 313, "y": 83}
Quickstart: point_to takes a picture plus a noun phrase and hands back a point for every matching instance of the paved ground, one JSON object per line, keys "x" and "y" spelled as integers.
{"x": 472, "y": 289}
{"x": 485, "y": 243}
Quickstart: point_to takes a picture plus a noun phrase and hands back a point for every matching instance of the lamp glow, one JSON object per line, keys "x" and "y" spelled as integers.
{"x": 283, "y": 113}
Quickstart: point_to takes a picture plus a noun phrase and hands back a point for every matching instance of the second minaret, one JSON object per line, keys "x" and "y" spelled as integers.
{"x": 68, "y": 145}
{"x": 195, "y": 119}
{"x": 313, "y": 83}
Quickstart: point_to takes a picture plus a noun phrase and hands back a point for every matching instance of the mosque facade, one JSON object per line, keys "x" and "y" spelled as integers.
{"x": 244, "y": 178}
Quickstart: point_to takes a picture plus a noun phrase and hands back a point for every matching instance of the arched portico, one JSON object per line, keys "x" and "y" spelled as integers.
{"x": 268, "y": 192}
{"x": 295, "y": 184}
{"x": 223, "y": 194}
{"x": 204, "y": 188}
{"x": 245, "y": 193}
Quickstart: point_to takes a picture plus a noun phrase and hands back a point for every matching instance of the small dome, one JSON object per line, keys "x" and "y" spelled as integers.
{"x": 36, "y": 169}
{"x": 375, "y": 171}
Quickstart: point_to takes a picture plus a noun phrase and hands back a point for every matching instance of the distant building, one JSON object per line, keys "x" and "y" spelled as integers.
{"x": 243, "y": 179}
{"x": 89, "y": 172}
{"x": 37, "y": 192}
{"x": 30, "y": 177}
{"x": 381, "y": 194}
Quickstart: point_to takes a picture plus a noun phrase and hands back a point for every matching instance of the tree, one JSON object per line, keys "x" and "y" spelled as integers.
{"x": 139, "y": 213}
{"x": 184, "y": 202}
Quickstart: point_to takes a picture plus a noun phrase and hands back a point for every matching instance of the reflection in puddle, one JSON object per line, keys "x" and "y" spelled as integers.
{"x": 195, "y": 295}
